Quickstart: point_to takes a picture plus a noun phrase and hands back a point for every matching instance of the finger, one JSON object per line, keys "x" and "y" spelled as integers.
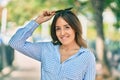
{"x": 49, "y": 13}
{"x": 53, "y": 12}
{"x": 45, "y": 13}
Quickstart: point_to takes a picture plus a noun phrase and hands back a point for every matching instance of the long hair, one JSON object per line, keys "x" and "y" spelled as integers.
{"x": 75, "y": 24}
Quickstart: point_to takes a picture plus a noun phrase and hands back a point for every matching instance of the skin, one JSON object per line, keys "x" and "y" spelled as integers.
{"x": 65, "y": 34}
{"x": 45, "y": 16}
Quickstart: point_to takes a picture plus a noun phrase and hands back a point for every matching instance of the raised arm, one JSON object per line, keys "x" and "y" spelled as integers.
{"x": 45, "y": 16}
{"x": 18, "y": 40}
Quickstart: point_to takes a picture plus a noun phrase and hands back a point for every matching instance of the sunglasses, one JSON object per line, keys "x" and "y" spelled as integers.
{"x": 67, "y": 9}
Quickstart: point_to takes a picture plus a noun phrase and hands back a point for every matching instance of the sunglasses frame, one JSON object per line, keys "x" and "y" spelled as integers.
{"x": 67, "y": 9}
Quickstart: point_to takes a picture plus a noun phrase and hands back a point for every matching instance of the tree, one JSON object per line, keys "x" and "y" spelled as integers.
{"x": 115, "y": 7}
{"x": 20, "y": 11}
{"x": 99, "y": 6}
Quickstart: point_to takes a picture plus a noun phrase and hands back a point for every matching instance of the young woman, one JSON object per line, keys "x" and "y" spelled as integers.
{"x": 66, "y": 57}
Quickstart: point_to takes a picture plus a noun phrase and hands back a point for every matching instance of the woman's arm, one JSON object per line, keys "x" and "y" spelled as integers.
{"x": 18, "y": 40}
{"x": 91, "y": 69}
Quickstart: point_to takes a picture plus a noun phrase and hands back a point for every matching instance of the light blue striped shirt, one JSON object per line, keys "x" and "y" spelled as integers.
{"x": 80, "y": 66}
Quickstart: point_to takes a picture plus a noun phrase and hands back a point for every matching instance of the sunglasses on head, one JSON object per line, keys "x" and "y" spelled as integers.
{"x": 67, "y": 9}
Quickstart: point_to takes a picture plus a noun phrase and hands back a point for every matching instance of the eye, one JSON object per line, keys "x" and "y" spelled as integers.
{"x": 57, "y": 28}
{"x": 67, "y": 26}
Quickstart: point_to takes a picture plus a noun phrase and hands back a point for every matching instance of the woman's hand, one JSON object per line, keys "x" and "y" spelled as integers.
{"x": 45, "y": 16}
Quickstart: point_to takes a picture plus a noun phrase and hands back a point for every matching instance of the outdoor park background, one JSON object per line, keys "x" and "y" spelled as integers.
{"x": 101, "y": 29}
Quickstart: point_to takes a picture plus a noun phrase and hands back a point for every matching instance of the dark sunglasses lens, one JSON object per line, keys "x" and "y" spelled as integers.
{"x": 65, "y": 10}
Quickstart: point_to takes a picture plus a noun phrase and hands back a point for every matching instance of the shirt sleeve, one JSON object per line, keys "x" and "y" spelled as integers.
{"x": 18, "y": 41}
{"x": 91, "y": 69}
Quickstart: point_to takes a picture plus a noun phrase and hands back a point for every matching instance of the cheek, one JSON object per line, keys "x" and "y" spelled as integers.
{"x": 72, "y": 33}
{"x": 57, "y": 34}
{"x": 73, "y": 36}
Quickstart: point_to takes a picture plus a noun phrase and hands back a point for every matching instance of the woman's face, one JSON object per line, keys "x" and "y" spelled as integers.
{"x": 64, "y": 32}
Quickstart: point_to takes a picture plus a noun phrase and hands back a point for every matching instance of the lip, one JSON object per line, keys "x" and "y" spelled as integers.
{"x": 64, "y": 37}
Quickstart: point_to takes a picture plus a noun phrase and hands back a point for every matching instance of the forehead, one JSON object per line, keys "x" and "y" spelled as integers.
{"x": 60, "y": 21}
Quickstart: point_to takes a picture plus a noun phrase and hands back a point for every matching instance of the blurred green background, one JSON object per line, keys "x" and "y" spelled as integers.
{"x": 100, "y": 20}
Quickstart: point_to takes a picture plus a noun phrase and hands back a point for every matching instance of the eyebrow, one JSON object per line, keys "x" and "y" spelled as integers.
{"x": 64, "y": 25}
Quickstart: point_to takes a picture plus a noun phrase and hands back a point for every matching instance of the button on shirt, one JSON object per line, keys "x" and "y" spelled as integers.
{"x": 80, "y": 66}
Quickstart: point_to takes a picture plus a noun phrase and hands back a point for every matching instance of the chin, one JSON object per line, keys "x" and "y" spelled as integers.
{"x": 63, "y": 43}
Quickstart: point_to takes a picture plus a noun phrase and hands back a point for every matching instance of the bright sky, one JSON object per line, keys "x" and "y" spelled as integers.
{"x": 4, "y": 2}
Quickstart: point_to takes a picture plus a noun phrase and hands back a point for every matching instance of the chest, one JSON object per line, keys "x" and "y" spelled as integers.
{"x": 64, "y": 55}
{"x": 73, "y": 69}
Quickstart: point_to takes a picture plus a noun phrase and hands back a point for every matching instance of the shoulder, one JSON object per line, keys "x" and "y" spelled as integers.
{"x": 87, "y": 54}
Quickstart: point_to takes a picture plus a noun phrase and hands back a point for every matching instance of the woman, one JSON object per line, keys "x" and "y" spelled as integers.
{"x": 67, "y": 56}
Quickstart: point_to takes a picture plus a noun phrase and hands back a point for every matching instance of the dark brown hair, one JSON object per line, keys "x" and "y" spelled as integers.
{"x": 75, "y": 24}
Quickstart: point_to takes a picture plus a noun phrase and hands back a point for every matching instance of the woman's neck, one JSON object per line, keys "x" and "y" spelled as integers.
{"x": 73, "y": 46}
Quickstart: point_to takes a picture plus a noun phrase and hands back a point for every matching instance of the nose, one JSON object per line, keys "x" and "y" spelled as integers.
{"x": 62, "y": 32}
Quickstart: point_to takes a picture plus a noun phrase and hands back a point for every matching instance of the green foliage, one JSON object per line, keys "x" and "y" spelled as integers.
{"x": 114, "y": 5}
{"x": 116, "y": 10}
{"x": 114, "y": 45}
{"x": 107, "y": 3}
{"x": 20, "y": 11}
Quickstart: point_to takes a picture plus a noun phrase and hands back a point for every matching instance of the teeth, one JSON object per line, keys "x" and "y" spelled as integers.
{"x": 64, "y": 37}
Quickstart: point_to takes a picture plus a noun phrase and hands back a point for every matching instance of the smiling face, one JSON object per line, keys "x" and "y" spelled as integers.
{"x": 66, "y": 29}
{"x": 64, "y": 32}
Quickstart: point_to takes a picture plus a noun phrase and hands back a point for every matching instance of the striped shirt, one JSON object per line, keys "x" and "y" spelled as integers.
{"x": 80, "y": 66}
